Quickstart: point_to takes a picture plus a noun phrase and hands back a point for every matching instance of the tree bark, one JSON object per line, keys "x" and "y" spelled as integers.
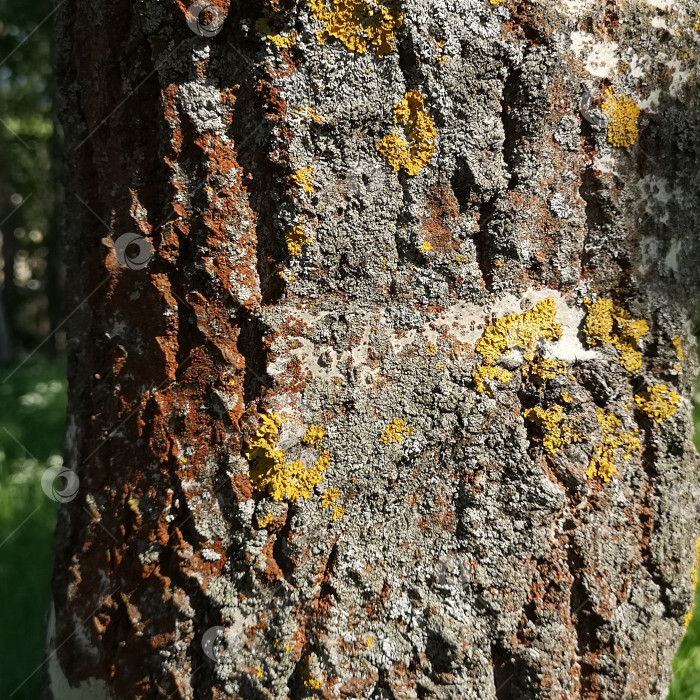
{"x": 399, "y": 405}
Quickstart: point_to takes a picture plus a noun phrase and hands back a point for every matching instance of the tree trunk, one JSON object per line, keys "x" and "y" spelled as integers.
{"x": 388, "y": 395}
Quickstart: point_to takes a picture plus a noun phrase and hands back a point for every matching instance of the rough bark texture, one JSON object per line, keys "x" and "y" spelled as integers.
{"x": 475, "y": 547}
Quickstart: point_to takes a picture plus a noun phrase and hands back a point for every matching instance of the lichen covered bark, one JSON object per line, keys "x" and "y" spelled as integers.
{"x": 401, "y": 401}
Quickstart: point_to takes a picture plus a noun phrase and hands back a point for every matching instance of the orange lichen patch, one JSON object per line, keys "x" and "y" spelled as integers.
{"x": 222, "y": 5}
{"x": 272, "y": 570}
{"x": 414, "y": 149}
{"x": 272, "y": 474}
{"x": 558, "y": 431}
{"x": 658, "y": 402}
{"x": 623, "y": 114}
{"x": 359, "y": 24}
{"x": 602, "y": 462}
{"x": 242, "y": 488}
{"x": 694, "y": 576}
{"x": 396, "y": 431}
{"x": 606, "y": 324}
{"x": 437, "y": 227}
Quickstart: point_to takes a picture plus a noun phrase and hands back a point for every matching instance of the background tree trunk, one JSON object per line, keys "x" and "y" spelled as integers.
{"x": 475, "y": 546}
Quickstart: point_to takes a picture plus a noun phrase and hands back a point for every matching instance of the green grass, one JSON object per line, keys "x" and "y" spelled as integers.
{"x": 32, "y": 411}
{"x": 32, "y": 414}
{"x": 686, "y": 664}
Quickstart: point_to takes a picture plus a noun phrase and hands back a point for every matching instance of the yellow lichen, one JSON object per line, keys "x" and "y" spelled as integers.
{"x": 296, "y": 240}
{"x": 359, "y": 24}
{"x": 263, "y": 26}
{"x": 413, "y": 149}
{"x": 679, "y": 348}
{"x": 328, "y": 499}
{"x": 492, "y": 372}
{"x": 307, "y": 676}
{"x": 567, "y": 397}
{"x": 282, "y": 41}
{"x": 520, "y": 331}
{"x": 272, "y": 474}
{"x": 426, "y": 246}
{"x": 369, "y": 641}
{"x": 461, "y": 259}
{"x": 622, "y": 113}
{"x": 304, "y": 178}
{"x": 264, "y": 522}
{"x": 658, "y": 402}
{"x": 396, "y": 431}
{"x": 546, "y": 369}
{"x": 606, "y": 324}
{"x": 431, "y": 348}
{"x": 694, "y": 576}
{"x": 602, "y": 462}
{"x": 258, "y": 671}
{"x": 558, "y": 431}
{"x": 314, "y": 435}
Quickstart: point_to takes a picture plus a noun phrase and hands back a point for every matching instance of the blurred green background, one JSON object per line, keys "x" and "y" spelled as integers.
{"x": 32, "y": 383}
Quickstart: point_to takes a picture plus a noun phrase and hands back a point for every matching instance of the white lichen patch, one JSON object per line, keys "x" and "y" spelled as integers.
{"x": 599, "y": 58}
